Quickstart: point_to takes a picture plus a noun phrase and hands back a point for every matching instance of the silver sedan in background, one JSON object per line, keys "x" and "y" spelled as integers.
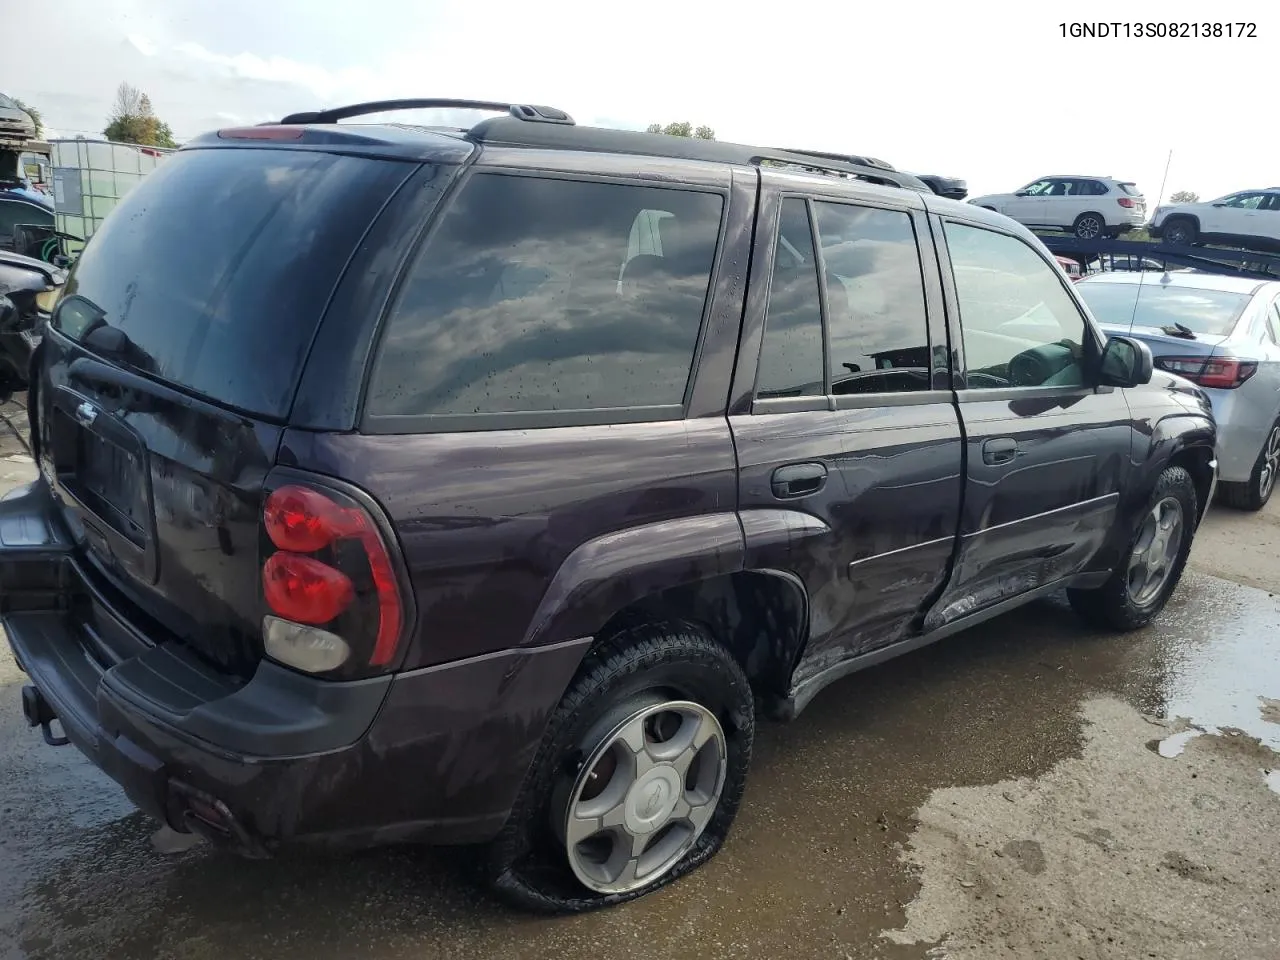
{"x": 1222, "y": 333}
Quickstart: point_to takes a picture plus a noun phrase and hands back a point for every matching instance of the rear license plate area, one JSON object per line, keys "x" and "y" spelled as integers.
{"x": 103, "y": 474}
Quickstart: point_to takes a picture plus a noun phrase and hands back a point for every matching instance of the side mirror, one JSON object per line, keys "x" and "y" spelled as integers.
{"x": 1020, "y": 193}
{"x": 1219, "y": 204}
{"x": 8, "y": 312}
{"x": 1126, "y": 362}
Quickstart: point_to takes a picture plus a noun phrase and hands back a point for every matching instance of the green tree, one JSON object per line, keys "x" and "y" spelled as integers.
{"x": 1185, "y": 196}
{"x": 683, "y": 129}
{"x": 134, "y": 121}
{"x": 34, "y": 114}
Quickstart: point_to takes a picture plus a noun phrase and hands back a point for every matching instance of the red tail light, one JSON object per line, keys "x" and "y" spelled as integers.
{"x": 1222, "y": 373}
{"x": 305, "y": 590}
{"x": 326, "y": 564}
{"x": 1125, "y": 202}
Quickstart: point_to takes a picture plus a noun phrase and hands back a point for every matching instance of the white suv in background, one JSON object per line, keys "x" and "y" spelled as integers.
{"x": 1250, "y": 218}
{"x": 1089, "y": 207}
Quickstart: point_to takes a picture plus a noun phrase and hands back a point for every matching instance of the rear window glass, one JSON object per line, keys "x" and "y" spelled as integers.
{"x": 1212, "y": 312}
{"x": 214, "y": 272}
{"x": 1131, "y": 189}
{"x": 538, "y": 295}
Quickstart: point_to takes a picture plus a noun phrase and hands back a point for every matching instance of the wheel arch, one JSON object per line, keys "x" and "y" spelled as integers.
{"x": 690, "y": 569}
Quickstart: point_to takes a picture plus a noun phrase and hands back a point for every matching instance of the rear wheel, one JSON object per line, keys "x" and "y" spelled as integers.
{"x": 1089, "y": 226}
{"x": 1141, "y": 583}
{"x": 639, "y": 776}
{"x": 1254, "y": 493}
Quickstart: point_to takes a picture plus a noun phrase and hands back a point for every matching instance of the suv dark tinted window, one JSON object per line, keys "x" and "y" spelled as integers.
{"x": 539, "y": 294}
{"x": 218, "y": 266}
{"x": 791, "y": 354}
{"x": 878, "y": 338}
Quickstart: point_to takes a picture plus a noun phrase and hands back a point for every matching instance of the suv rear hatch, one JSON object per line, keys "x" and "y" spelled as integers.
{"x": 174, "y": 358}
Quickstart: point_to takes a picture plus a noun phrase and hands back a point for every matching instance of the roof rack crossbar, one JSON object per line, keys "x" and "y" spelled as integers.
{"x": 521, "y": 111}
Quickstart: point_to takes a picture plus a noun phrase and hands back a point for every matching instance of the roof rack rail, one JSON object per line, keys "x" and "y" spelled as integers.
{"x": 521, "y": 111}
{"x": 502, "y": 131}
{"x": 846, "y": 157}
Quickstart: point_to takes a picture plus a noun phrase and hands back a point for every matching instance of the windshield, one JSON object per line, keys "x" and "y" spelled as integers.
{"x": 1212, "y": 312}
{"x": 213, "y": 273}
{"x": 6, "y": 102}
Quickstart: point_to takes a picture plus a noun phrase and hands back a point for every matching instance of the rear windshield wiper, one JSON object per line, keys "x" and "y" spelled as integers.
{"x": 1179, "y": 330}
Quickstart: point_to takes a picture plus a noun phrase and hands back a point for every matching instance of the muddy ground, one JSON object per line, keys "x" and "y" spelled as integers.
{"x": 1029, "y": 789}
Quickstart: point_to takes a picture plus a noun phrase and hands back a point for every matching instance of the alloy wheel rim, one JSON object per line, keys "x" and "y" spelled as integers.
{"x": 644, "y": 796}
{"x": 1155, "y": 551}
{"x": 1089, "y": 228}
{"x": 1270, "y": 463}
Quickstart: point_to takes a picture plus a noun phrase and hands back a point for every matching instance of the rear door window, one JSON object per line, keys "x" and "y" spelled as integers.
{"x": 543, "y": 295}
{"x": 877, "y": 330}
{"x": 217, "y": 268}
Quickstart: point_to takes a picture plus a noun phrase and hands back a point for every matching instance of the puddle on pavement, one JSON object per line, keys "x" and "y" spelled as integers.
{"x": 813, "y": 867}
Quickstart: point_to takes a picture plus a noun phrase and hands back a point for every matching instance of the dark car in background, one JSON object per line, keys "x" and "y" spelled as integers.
{"x": 478, "y": 486}
{"x": 29, "y": 289}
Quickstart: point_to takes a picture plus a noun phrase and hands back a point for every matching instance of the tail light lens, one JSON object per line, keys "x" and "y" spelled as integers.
{"x": 329, "y": 582}
{"x": 1126, "y": 203}
{"x": 1221, "y": 373}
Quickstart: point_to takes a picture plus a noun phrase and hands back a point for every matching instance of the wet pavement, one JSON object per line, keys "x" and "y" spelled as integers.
{"x": 824, "y": 859}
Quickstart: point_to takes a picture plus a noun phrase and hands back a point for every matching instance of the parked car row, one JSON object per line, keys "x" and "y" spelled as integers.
{"x": 1099, "y": 207}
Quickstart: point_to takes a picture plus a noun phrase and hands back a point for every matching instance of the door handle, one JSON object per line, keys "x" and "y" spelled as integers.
{"x": 798, "y": 480}
{"x": 999, "y": 450}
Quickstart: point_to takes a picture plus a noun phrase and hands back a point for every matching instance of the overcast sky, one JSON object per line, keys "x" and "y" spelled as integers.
{"x": 996, "y": 96}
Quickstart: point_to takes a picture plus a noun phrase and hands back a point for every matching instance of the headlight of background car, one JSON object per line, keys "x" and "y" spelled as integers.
{"x": 48, "y": 299}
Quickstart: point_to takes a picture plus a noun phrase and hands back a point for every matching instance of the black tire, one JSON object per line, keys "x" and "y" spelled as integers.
{"x": 1180, "y": 232}
{"x": 1089, "y": 226}
{"x": 1111, "y": 606}
{"x": 1253, "y": 494}
{"x": 528, "y": 865}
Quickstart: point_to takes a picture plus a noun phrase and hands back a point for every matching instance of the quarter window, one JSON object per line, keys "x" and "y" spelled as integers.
{"x": 540, "y": 294}
{"x": 1020, "y": 326}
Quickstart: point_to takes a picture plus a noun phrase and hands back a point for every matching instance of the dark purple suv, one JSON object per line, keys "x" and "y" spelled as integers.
{"x": 461, "y": 486}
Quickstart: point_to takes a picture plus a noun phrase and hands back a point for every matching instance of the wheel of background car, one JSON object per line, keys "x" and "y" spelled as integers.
{"x": 1088, "y": 226}
{"x": 1180, "y": 232}
{"x": 1254, "y": 493}
{"x": 639, "y": 776}
{"x": 1151, "y": 567}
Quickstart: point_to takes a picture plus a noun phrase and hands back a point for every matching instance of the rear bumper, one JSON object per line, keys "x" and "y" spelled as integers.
{"x": 434, "y": 755}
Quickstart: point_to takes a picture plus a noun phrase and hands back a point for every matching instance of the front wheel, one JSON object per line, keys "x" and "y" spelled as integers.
{"x": 1141, "y": 583}
{"x": 1254, "y": 493}
{"x": 639, "y": 776}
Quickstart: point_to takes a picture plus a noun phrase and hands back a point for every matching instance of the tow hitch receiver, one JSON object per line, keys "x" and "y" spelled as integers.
{"x": 40, "y": 714}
